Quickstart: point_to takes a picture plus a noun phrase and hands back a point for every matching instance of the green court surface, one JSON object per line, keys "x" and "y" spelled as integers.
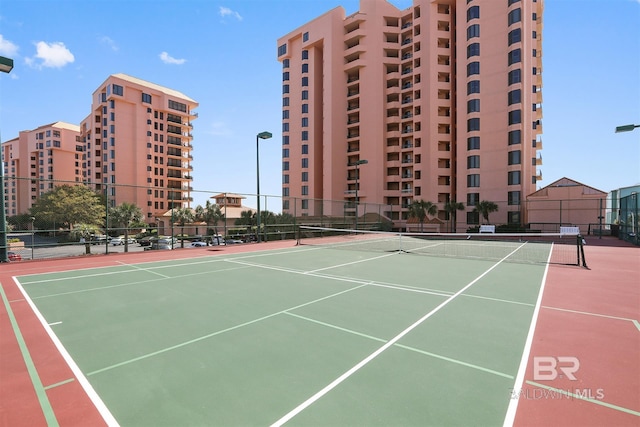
{"x": 299, "y": 336}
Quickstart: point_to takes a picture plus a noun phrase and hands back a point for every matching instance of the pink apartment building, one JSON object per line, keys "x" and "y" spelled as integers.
{"x": 135, "y": 146}
{"x": 37, "y": 160}
{"x": 138, "y": 144}
{"x": 442, "y": 100}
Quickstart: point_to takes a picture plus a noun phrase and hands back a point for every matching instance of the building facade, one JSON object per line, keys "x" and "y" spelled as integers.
{"x": 36, "y": 160}
{"x": 138, "y": 144}
{"x": 438, "y": 102}
{"x": 135, "y": 146}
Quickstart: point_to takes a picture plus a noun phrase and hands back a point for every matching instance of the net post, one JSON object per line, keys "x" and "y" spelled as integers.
{"x": 581, "y": 251}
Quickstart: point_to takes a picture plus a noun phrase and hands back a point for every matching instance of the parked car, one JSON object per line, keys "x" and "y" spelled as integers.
{"x": 145, "y": 241}
{"x": 116, "y": 241}
{"x": 14, "y": 256}
{"x": 197, "y": 244}
{"x": 156, "y": 246}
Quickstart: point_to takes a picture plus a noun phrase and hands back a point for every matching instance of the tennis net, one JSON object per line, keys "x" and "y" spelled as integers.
{"x": 529, "y": 248}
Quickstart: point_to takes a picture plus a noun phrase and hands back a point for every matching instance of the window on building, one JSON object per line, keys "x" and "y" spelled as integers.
{"x": 473, "y": 13}
{"x": 514, "y": 16}
{"x": 515, "y": 36}
{"x": 305, "y": 122}
{"x": 305, "y": 149}
{"x": 305, "y": 176}
{"x": 146, "y": 98}
{"x": 513, "y": 178}
{"x": 514, "y": 56}
{"x": 514, "y": 157}
{"x": 305, "y": 163}
{"x": 305, "y": 36}
{"x": 285, "y": 63}
{"x": 473, "y": 180}
{"x": 282, "y": 49}
{"x": 473, "y": 68}
{"x": 473, "y": 218}
{"x": 305, "y": 94}
{"x": 473, "y": 143}
{"x": 305, "y": 108}
{"x": 285, "y": 178}
{"x": 285, "y": 114}
{"x": 515, "y": 117}
{"x": 514, "y": 97}
{"x": 473, "y": 50}
{"x": 513, "y": 198}
{"x": 305, "y": 68}
{"x": 473, "y": 31}
{"x": 473, "y": 106}
{"x": 117, "y": 89}
{"x": 304, "y": 190}
{"x": 285, "y": 153}
{"x": 305, "y": 81}
{"x": 473, "y": 87}
{"x": 473, "y": 162}
{"x": 515, "y": 76}
{"x": 285, "y": 76}
{"x": 473, "y": 124}
{"x": 305, "y": 135}
{"x": 513, "y": 217}
{"x": 285, "y": 88}
{"x": 515, "y": 137}
{"x": 305, "y": 54}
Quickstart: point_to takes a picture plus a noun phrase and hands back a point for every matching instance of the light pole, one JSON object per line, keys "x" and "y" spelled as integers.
{"x": 356, "y": 164}
{"x": 6, "y": 65}
{"x": 626, "y": 128}
{"x": 261, "y": 135}
{"x": 33, "y": 230}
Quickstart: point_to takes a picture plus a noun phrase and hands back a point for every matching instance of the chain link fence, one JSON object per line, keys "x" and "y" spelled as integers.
{"x": 89, "y": 223}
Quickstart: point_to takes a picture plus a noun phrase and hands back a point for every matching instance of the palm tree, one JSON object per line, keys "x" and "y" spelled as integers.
{"x": 183, "y": 216}
{"x": 126, "y": 215}
{"x": 485, "y": 207}
{"x": 451, "y": 207}
{"x": 210, "y": 214}
{"x": 421, "y": 209}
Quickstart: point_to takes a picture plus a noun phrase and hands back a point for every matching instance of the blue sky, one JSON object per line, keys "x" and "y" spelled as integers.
{"x": 223, "y": 55}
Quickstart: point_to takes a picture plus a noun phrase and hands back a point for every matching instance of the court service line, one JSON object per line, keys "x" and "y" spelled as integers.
{"x": 389, "y": 343}
{"x": 138, "y": 282}
{"x": 406, "y": 347}
{"x": 146, "y": 270}
{"x": 77, "y": 373}
{"x": 213, "y": 334}
{"x": 351, "y": 263}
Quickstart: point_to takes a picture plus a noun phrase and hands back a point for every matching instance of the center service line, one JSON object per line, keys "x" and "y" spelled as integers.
{"x": 376, "y": 353}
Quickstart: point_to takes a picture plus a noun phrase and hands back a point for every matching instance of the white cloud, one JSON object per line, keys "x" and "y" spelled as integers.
{"x": 7, "y": 48}
{"x": 225, "y": 11}
{"x": 168, "y": 59}
{"x": 52, "y": 55}
{"x": 108, "y": 41}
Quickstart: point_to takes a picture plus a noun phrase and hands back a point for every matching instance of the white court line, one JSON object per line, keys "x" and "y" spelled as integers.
{"x": 351, "y": 263}
{"x": 88, "y": 389}
{"x": 510, "y": 416}
{"x": 376, "y": 353}
{"x": 146, "y": 270}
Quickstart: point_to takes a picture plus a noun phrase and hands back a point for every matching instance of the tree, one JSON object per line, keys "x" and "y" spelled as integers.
{"x": 69, "y": 204}
{"x": 451, "y": 207}
{"x": 421, "y": 209}
{"x": 183, "y": 216}
{"x": 210, "y": 214}
{"x": 485, "y": 207}
{"x": 126, "y": 215}
{"x": 246, "y": 218}
{"x": 84, "y": 233}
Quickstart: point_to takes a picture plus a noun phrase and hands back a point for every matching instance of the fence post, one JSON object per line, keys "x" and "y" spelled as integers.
{"x": 106, "y": 218}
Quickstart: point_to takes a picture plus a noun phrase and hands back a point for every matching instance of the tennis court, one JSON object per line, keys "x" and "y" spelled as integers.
{"x": 302, "y": 334}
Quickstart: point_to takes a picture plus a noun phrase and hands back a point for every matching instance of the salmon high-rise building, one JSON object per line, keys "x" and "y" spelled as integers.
{"x": 439, "y": 102}
{"x": 138, "y": 144}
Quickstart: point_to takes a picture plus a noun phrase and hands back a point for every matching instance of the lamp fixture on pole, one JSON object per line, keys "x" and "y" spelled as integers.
{"x": 261, "y": 135}
{"x": 626, "y": 128}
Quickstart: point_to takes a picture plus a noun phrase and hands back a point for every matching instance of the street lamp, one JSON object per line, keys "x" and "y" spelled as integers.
{"x": 6, "y": 65}
{"x": 33, "y": 219}
{"x": 261, "y": 135}
{"x": 356, "y": 164}
{"x": 626, "y": 128}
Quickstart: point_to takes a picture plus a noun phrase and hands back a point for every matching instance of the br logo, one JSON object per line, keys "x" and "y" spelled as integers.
{"x": 547, "y": 368}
